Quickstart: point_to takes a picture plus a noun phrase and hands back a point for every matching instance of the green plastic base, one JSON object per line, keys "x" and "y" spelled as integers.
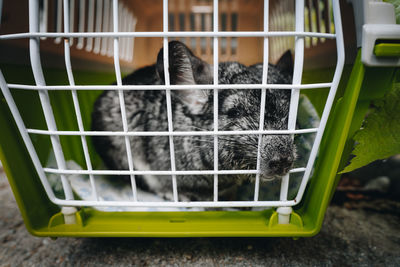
{"x": 91, "y": 222}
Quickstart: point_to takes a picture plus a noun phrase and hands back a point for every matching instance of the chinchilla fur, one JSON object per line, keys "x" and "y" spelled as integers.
{"x": 192, "y": 110}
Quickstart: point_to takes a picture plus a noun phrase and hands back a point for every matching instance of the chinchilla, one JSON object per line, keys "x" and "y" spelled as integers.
{"x": 192, "y": 110}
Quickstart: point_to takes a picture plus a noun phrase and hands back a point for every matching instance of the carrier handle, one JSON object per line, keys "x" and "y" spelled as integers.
{"x": 377, "y": 33}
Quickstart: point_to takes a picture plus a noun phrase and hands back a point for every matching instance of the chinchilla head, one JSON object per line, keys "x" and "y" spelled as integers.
{"x": 238, "y": 110}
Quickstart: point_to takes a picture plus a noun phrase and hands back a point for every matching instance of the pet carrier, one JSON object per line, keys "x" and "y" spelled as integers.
{"x": 77, "y": 49}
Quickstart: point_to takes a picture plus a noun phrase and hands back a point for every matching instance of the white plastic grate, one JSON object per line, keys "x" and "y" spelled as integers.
{"x": 114, "y": 22}
{"x": 88, "y": 16}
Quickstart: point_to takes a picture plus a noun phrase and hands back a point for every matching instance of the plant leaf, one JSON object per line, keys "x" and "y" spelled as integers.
{"x": 380, "y": 136}
{"x": 396, "y": 4}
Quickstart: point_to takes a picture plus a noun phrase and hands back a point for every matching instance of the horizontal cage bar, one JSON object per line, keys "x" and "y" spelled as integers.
{"x": 172, "y": 133}
{"x": 168, "y": 34}
{"x": 171, "y": 87}
{"x": 176, "y": 204}
{"x": 126, "y": 172}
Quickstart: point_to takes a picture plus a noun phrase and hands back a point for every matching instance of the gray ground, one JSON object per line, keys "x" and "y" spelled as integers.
{"x": 361, "y": 236}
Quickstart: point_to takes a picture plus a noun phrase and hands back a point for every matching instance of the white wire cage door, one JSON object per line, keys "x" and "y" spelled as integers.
{"x": 115, "y": 34}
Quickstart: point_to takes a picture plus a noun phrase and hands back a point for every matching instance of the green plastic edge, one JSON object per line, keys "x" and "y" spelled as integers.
{"x": 28, "y": 191}
{"x": 363, "y": 86}
{"x": 387, "y": 50}
{"x": 306, "y": 220}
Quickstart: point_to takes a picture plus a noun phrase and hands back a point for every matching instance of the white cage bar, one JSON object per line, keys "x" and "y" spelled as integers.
{"x": 34, "y": 53}
{"x": 90, "y": 25}
{"x": 106, "y": 23}
{"x": 168, "y": 97}
{"x": 122, "y": 100}
{"x": 58, "y": 20}
{"x": 215, "y": 103}
{"x": 263, "y": 96}
{"x": 98, "y": 25}
{"x": 171, "y": 34}
{"x": 121, "y": 32}
{"x": 76, "y": 100}
{"x": 295, "y": 93}
{"x": 81, "y": 22}
{"x": 110, "y": 43}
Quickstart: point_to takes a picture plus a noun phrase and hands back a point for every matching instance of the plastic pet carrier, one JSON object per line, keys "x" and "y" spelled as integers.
{"x": 58, "y": 57}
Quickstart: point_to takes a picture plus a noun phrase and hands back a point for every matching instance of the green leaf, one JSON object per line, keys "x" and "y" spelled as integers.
{"x": 380, "y": 136}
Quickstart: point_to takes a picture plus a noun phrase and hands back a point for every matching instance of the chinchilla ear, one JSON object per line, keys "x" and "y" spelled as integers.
{"x": 285, "y": 63}
{"x": 186, "y": 69}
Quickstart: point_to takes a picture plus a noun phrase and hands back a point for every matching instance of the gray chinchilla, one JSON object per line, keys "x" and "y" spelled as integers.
{"x": 192, "y": 110}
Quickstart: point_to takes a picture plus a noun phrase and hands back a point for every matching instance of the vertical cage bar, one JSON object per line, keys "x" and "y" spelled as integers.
{"x": 215, "y": 81}
{"x": 272, "y": 45}
{"x": 281, "y": 24}
{"x": 234, "y": 24}
{"x": 173, "y": 20}
{"x": 43, "y": 18}
{"x": 131, "y": 45}
{"x": 120, "y": 24}
{"x": 110, "y": 44}
{"x": 185, "y": 5}
{"x": 197, "y": 27}
{"x": 75, "y": 100}
{"x": 81, "y": 22}
{"x": 284, "y": 187}
{"x": 224, "y": 27}
{"x": 297, "y": 75}
{"x": 327, "y": 17}
{"x": 58, "y": 20}
{"x": 310, "y": 21}
{"x": 192, "y": 26}
{"x": 99, "y": 18}
{"x": 289, "y": 5}
{"x": 124, "y": 29}
{"x": 313, "y": 11}
{"x": 318, "y": 13}
{"x": 284, "y": 212}
{"x": 331, "y": 96}
{"x": 203, "y": 40}
{"x": 34, "y": 52}
{"x": 71, "y": 19}
{"x": 127, "y": 18}
{"x": 90, "y": 25}
{"x": 208, "y": 25}
{"x": 122, "y": 100}
{"x": 263, "y": 100}
{"x": 106, "y": 23}
{"x": 179, "y": 18}
{"x": 129, "y": 40}
{"x": 168, "y": 97}
{"x": 229, "y": 27}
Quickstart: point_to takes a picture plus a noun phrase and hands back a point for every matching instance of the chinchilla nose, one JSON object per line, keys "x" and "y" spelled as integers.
{"x": 277, "y": 155}
{"x": 280, "y": 166}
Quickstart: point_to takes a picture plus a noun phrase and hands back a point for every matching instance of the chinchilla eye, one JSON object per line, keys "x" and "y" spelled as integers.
{"x": 233, "y": 113}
